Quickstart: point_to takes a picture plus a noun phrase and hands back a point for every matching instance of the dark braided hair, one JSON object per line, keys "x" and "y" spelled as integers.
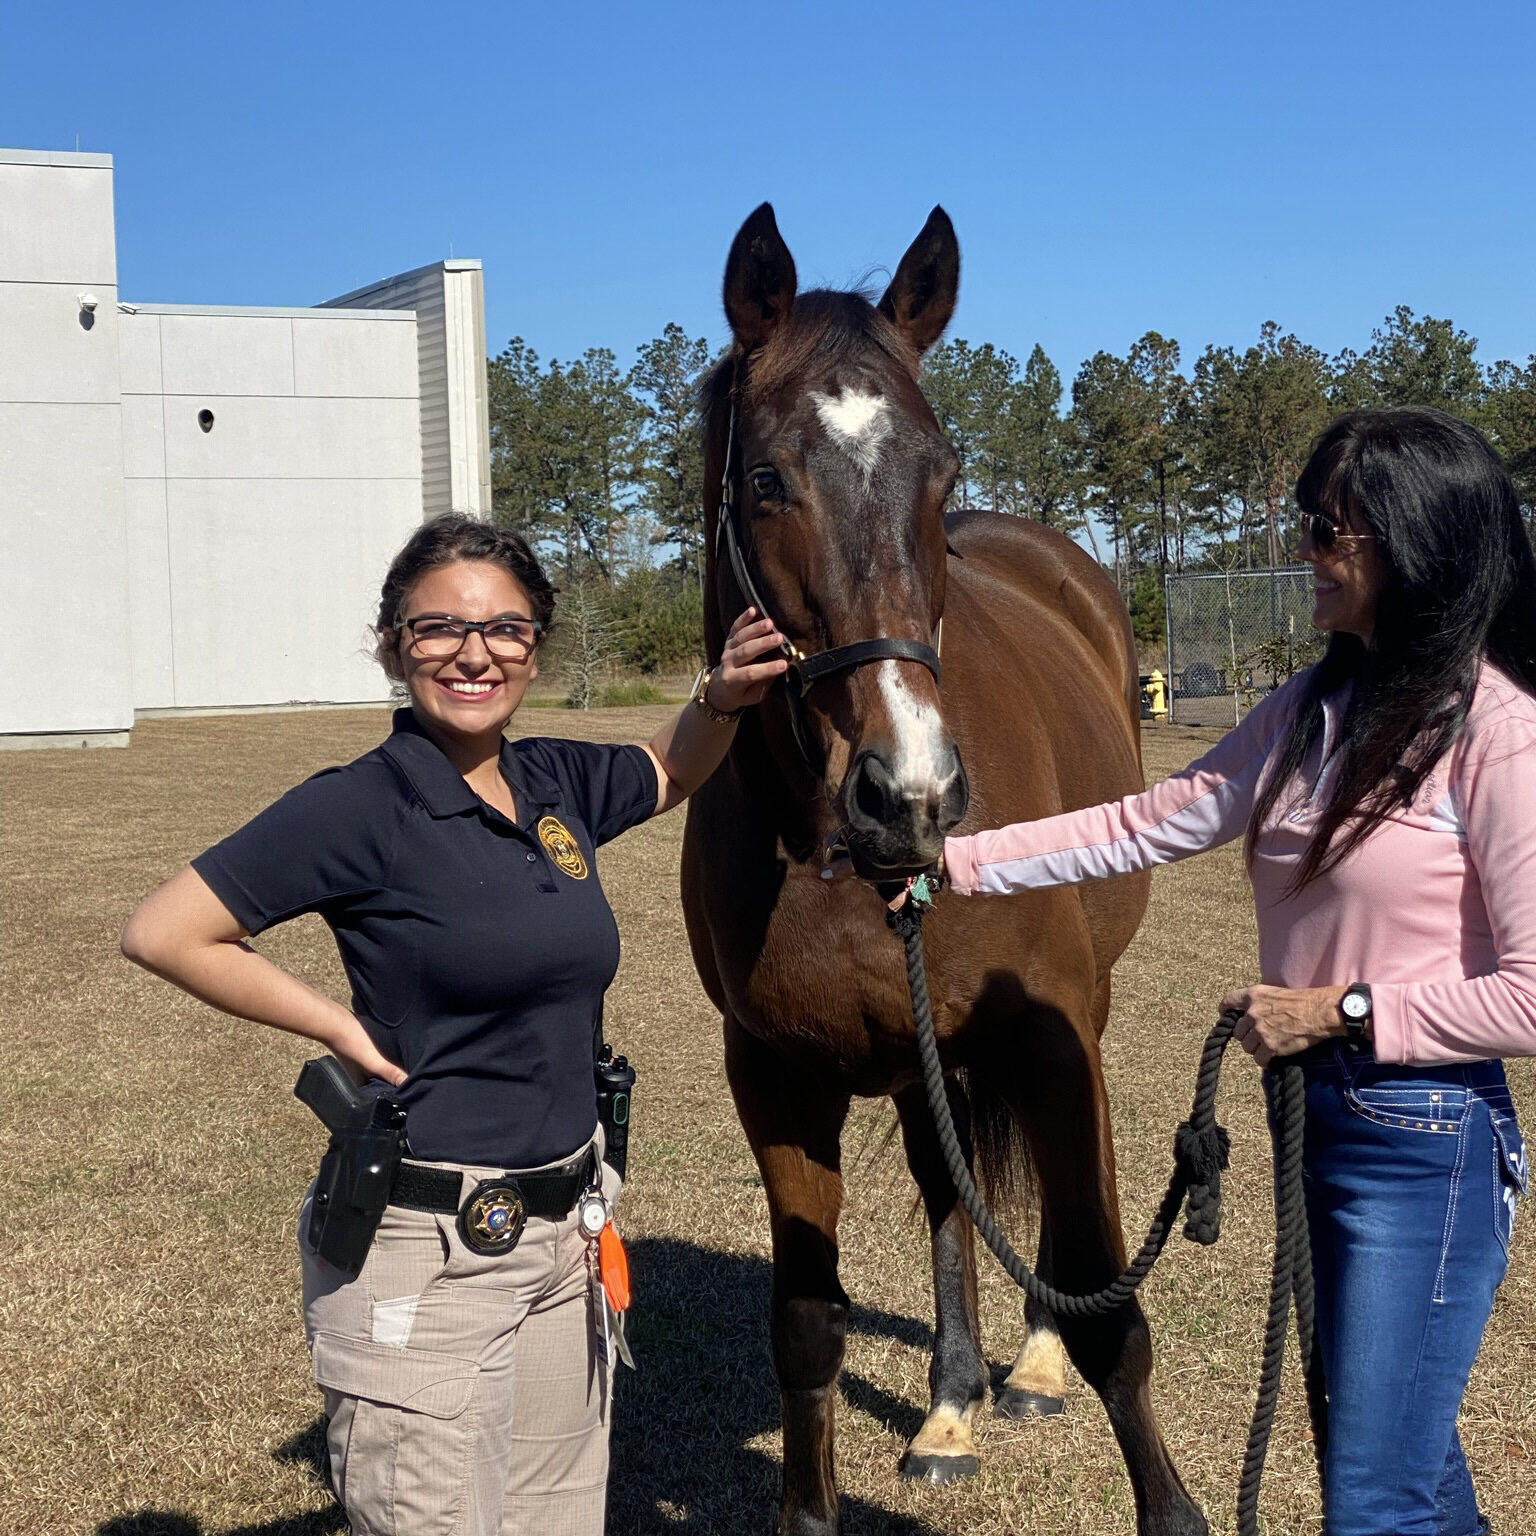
{"x": 446, "y": 540}
{"x": 1460, "y": 586}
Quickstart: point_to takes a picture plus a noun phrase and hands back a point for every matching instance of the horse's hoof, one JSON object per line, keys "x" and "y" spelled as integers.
{"x": 1016, "y": 1403}
{"x": 919, "y": 1466}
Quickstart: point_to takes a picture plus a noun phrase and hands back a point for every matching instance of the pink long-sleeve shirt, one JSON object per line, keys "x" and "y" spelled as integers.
{"x": 1436, "y": 909}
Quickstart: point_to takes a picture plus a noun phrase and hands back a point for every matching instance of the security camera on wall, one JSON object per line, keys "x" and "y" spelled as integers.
{"x": 88, "y": 302}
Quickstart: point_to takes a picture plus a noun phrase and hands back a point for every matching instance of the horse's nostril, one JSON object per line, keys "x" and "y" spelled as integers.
{"x": 956, "y": 798}
{"x": 871, "y": 791}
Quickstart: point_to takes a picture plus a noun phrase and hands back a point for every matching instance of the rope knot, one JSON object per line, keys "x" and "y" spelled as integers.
{"x": 1201, "y": 1156}
{"x": 906, "y": 921}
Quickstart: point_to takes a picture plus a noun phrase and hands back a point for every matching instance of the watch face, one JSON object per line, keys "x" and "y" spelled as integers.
{"x": 1354, "y": 1006}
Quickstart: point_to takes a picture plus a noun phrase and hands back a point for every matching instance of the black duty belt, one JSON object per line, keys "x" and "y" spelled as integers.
{"x": 550, "y": 1192}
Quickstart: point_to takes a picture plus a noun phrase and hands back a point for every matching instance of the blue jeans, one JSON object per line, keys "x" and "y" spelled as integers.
{"x": 1411, "y": 1177}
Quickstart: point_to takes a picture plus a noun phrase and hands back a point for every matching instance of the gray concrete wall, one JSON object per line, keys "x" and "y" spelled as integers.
{"x": 236, "y": 567}
{"x": 63, "y": 542}
{"x": 448, "y": 299}
{"x": 257, "y": 546}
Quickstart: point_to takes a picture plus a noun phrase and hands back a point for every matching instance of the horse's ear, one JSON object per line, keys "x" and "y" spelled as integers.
{"x": 922, "y": 295}
{"x": 759, "y": 279}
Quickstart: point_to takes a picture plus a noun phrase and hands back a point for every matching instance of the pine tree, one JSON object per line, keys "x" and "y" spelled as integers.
{"x": 666, "y": 375}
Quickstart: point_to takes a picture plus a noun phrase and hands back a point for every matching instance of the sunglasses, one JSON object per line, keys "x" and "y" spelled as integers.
{"x": 1326, "y": 534}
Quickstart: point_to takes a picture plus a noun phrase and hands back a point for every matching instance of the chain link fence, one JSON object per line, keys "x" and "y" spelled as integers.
{"x": 1233, "y": 636}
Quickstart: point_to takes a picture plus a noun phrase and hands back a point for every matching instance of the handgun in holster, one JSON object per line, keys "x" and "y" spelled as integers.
{"x": 358, "y": 1169}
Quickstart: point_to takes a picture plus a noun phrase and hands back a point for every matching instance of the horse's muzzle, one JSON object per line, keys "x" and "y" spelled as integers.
{"x": 895, "y": 825}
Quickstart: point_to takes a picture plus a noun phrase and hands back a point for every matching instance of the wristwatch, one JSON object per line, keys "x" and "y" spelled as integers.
{"x": 1355, "y": 1005}
{"x": 700, "y": 696}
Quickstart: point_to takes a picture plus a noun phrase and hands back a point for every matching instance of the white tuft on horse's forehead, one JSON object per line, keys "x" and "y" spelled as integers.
{"x": 857, "y": 421}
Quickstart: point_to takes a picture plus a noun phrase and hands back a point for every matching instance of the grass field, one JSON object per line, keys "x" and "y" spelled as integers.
{"x": 155, "y": 1382}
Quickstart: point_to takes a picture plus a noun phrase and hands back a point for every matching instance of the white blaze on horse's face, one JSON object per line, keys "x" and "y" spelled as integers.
{"x": 923, "y": 762}
{"x": 857, "y": 422}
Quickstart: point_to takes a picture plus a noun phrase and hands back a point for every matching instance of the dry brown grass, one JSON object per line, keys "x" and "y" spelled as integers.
{"x": 155, "y": 1382}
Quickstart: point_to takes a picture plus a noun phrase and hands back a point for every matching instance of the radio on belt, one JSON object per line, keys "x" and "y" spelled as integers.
{"x": 615, "y": 1082}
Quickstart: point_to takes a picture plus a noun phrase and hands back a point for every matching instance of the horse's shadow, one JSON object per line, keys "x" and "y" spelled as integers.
{"x": 695, "y": 1427}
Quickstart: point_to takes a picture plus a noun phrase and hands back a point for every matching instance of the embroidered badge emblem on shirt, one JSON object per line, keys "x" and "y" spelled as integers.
{"x": 562, "y": 847}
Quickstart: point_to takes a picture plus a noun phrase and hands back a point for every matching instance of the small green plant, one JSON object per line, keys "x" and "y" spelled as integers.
{"x": 1281, "y": 656}
{"x": 658, "y": 621}
{"x": 1148, "y": 611}
{"x": 625, "y": 692}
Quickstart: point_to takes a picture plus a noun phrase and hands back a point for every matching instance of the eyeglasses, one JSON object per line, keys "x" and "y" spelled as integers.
{"x": 1326, "y": 533}
{"x": 437, "y": 636}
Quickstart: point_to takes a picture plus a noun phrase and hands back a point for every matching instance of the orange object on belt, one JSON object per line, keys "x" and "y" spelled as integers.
{"x": 613, "y": 1265}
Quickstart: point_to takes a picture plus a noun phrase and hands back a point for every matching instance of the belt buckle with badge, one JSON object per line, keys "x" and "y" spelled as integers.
{"x": 492, "y": 1219}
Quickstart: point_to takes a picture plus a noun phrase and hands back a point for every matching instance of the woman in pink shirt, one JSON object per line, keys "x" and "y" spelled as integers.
{"x": 1388, "y": 800}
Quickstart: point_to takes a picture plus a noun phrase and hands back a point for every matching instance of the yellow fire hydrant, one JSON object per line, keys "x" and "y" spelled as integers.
{"x": 1157, "y": 695}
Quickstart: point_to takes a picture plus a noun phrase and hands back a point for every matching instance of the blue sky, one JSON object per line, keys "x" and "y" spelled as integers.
{"x": 1110, "y": 167}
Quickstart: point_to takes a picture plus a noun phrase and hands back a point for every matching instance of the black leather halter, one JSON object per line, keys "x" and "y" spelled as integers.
{"x": 805, "y": 671}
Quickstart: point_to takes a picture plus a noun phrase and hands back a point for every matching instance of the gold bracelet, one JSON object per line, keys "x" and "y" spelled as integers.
{"x": 700, "y": 696}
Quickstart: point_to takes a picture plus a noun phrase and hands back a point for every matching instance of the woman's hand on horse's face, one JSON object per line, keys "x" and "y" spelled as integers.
{"x": 1279, "y": 1021}
{"x": 743, "y": 678}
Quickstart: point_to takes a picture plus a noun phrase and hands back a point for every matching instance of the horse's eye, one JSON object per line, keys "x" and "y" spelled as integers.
{"x": 766, "y": 485}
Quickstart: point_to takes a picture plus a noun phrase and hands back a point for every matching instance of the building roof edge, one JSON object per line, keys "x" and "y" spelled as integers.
{"x": 60, "y": 157}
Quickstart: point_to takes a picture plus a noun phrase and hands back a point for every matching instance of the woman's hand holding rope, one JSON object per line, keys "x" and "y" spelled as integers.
{"x": 1280, "y": 1021}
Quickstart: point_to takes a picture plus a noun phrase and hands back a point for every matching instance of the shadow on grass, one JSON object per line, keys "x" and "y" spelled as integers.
{"x": 695, "y": 1429}
{"x": 305, "y": 1448}
{"x": 159, "y": 1522}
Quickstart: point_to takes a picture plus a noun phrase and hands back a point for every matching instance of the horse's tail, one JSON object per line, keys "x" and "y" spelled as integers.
{"x": 1005, "y": 1171}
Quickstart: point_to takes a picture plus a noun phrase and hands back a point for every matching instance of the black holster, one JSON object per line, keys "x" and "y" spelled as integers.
{"x": 358, "y": 1169}
{"x": 351, "y": 1191}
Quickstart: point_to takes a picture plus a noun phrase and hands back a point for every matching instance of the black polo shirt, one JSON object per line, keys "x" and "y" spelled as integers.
{"x": 478, "y": 949}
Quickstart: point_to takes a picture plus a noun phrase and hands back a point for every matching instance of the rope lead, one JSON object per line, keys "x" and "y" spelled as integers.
{"x": 1201, "y": 1149}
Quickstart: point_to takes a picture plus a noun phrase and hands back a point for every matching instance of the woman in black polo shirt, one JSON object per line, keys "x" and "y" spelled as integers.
{"x": 467, "y": 1390}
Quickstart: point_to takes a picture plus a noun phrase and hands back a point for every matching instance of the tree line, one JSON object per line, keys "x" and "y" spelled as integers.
{"x": 1156, "y": 466}
{"x": 1162, "y": 469}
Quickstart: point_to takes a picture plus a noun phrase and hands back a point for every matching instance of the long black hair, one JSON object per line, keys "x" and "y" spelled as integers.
{"x": 1460, "y": 585}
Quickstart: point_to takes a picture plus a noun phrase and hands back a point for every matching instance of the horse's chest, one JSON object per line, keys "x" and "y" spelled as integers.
{"x": 827, "y": 979}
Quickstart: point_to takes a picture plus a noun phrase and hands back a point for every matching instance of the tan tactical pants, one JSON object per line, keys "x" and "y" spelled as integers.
{"x": 467, "y": 1395}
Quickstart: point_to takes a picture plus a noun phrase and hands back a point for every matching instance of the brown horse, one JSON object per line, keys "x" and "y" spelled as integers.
{"x": 837, "y": 476}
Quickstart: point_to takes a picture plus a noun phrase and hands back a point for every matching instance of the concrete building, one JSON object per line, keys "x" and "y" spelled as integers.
{"x": 210, "y": 495}
{"x": 448, "y": 300}
{"x": 63, "y": 540}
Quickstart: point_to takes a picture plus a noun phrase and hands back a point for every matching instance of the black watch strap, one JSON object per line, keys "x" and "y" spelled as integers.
{"x": 1355, "y": 1005}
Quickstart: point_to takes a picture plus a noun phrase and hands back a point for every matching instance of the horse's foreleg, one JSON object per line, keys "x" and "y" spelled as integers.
{"x": 1067, "y": 1118}
{"x": 794, "y": 1125}
{"x": 945, "y": 1447}
{"x": 1037, "y": 1383}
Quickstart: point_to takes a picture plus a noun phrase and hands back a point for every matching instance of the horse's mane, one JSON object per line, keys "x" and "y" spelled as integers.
{"x": 825, "y": 326}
